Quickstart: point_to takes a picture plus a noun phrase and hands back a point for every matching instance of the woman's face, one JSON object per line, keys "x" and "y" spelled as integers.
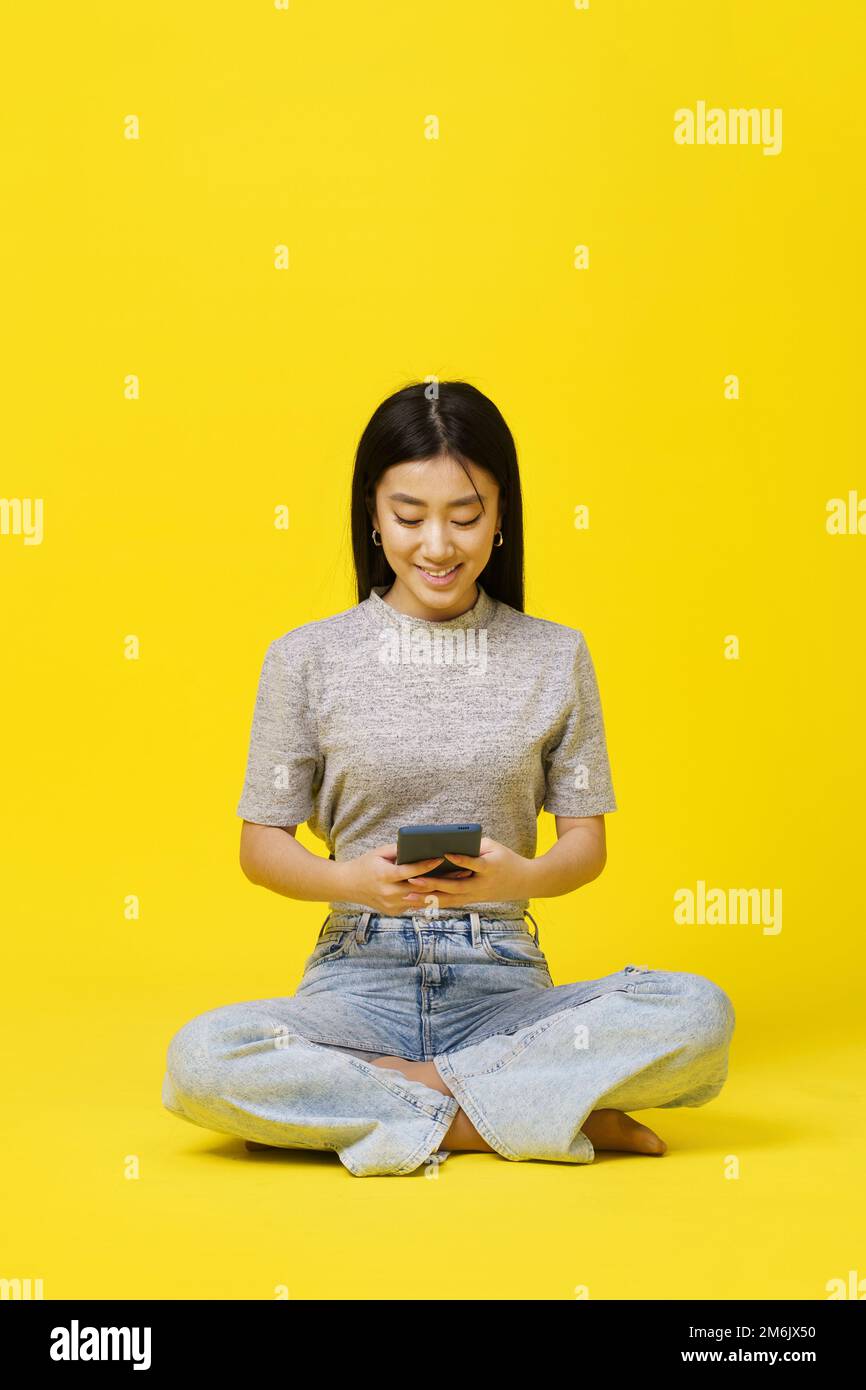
{"x": 430, "y": 518}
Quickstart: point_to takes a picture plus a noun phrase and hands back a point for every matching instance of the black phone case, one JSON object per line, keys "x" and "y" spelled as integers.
{"x": 416, "y": 842}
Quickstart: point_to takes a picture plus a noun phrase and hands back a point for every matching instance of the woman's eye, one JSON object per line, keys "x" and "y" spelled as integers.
{"x": 404, "y": 522}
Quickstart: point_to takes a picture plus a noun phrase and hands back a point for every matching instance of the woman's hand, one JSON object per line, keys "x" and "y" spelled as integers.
{"x": 498, "y": 875}
{"x": 378, "y": 881}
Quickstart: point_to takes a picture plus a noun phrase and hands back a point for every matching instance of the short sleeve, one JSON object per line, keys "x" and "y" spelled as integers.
{"x": 577, "y": 768}
{"x": 283, "y": 751}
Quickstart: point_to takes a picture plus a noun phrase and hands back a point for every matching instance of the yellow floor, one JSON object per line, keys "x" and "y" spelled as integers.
{"x": 205, "y": 1218}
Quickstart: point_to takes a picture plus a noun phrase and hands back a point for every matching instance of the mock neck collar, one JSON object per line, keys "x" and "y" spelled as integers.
{"x": 479, "y": 615}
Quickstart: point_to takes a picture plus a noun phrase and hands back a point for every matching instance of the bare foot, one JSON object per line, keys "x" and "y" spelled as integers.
{"x": 613, "y": 1129}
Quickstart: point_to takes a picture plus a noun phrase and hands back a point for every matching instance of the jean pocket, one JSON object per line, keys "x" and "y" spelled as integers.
{"x": 514, "y": 948}
{"x": 332, "y": 946}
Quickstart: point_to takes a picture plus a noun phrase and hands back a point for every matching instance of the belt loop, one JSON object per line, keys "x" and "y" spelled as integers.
{"x": 361, "y": 929}
{"x": 535, "y": 924}
{"x": 323, "y": 927}
{"x": 475, "y": 922}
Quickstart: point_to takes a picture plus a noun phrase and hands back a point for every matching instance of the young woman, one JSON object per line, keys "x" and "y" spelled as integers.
{"x": 426, "y": 1019}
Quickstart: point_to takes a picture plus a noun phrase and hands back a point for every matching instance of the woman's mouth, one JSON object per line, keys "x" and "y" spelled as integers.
{"x": 436, "y": 579}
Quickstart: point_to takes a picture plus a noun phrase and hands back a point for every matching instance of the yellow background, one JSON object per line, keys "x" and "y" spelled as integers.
{"x": 408, "y": 257}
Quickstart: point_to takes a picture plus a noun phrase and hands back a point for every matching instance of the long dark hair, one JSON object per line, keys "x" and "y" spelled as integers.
{"x": 422, "y": 421}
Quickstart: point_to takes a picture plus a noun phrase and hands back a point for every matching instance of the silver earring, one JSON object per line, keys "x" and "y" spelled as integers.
{"x": 374, "y": 534}
{"x": 501, "y": 540}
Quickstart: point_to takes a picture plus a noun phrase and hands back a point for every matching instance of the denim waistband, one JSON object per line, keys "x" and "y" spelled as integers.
{"x": 457, "y": 920}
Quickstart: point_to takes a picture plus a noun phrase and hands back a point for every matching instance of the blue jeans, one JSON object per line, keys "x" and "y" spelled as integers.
{"x": 526, "y": 1060}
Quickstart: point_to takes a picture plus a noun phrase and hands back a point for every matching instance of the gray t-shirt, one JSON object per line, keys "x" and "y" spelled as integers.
{"x": 370, "y": 719}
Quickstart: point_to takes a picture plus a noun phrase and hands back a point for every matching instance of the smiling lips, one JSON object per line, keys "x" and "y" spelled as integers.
{"x": 439, "y": 577}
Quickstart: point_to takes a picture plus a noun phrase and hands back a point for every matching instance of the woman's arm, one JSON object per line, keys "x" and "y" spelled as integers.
{"x": 272, "y": 858}
{"x": 579, "y": 855}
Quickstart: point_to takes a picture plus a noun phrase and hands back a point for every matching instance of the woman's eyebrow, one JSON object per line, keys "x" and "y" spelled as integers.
{"x": 419, "y": 501}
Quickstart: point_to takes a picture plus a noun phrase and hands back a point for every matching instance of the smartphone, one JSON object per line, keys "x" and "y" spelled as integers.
{"x": 416, "y": 842}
